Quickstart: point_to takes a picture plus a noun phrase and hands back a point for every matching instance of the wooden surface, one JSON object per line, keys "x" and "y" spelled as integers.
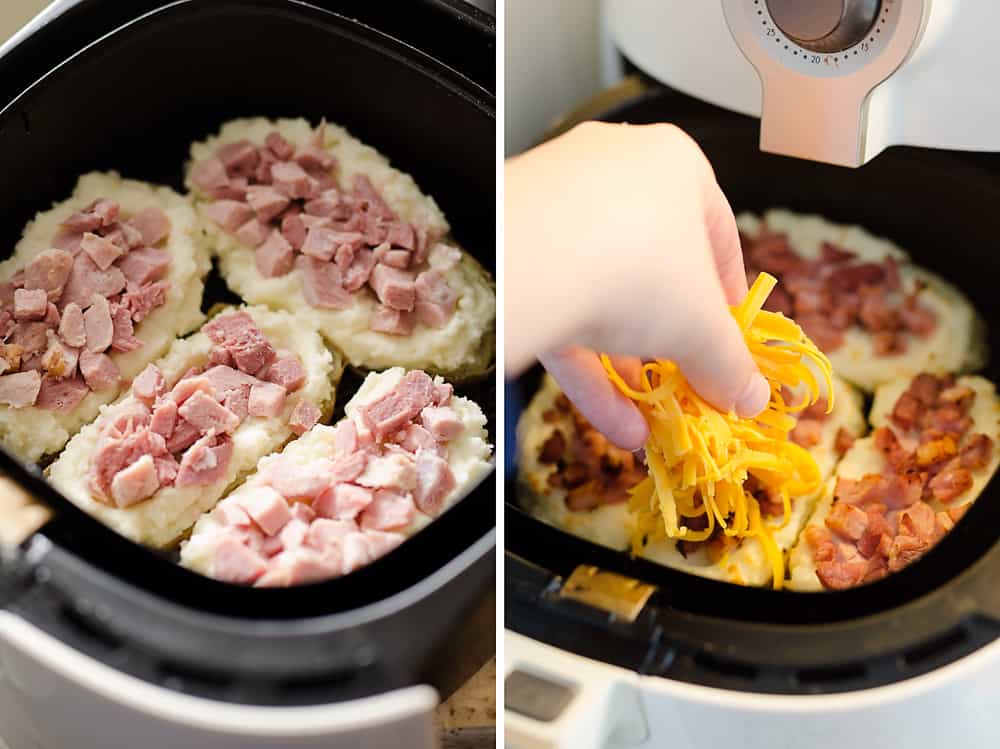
{"x": 468, "y": 718}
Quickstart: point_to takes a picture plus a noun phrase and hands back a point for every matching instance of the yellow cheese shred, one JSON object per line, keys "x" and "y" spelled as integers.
{"x": 699, "y": 458}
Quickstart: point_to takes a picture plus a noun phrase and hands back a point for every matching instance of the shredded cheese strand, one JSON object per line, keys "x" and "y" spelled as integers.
{"x": 700, "y": 458}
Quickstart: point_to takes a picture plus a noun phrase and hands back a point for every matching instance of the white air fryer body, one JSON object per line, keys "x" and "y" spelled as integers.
{"x": 923, "y": 77}
{"x": 613, "y": 708}
{"x": 54, "y": 697}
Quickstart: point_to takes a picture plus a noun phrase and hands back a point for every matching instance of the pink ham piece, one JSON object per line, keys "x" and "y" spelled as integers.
{"x": 305, "y": 483}
{"x": 135, "y": 483}
{"x": 67, "y": 240}
{"x": 32, "y": 337}
{"x": 286, "y": 371}
{"x": 343, "y": 501}
{"x": 61, "y": 395}
{"x": 239, "y": 335}
{"x": 275, "y": 256}
{"x": 59, "y": 360}
{"x": 303, "y": 417}
{"x": 364, "y": 189}
{"x": 321, "y": 243}
{"x": 266, "y": 202}
{"x": 415, "y": 437}
{"x": 30, "y": 304}
{"x": 208, "y": 415}
{"x": 153, "y": 224}
{"x": 98, "y": 324}
{"x": 266, "y": 508}
{"x": 434, "y": 481}
{"x": 293, "y": 229}
{"x": 238, "y": 401}
{"x": 183, "y": 434}
{"x": 388, "y": 510}
{"x": 324, "y": 532}
{"x": 393, "y": 470}
{"x": 99, "y": 371}
{"x": 224, "y": 378}
{"x": 436, "y": 300}
{"x": 238, "y": 158}
{"x": 230, "y": 513}
{"x": 144, "y": 265}
{"x": 229, "y": 214}
{"x": 142, "y": 301}
{"x": 391, "y": 321}
{"x": 397, "y": 259}
{"x": 253, "y": 233}
{"x": 360, "y": 269}
{"x": 49, "y": 270}
{"x": 20, "y": 389}
{"x": 266, "y": 399}
{"x": 149, "y": 385}
{"x": 442, "y": 422}
{"x": 292, "y": 180}
{"x": 123, "y": 338}
{"x": 345, "y": 437}
{"x": 190, "y": 385}
{"x": 401, "y": 234}
{"x": 86, "y": 279}
{"x": 390, "y": 413}
{"x": 101, "y": 251}
{"x": 325, "y": 205}
{"x": 236, "y": 563}
{"x": 315, "y": 159}
{"x": 322, "y": 283}
{"x": 443, "y": 393}
{"x": 209, "y": 175}
{"x": 395, "y": 288}
{"x": 279, "y": 146}
{"x": 205, "y": 461}
{"x": 164, "y": 419}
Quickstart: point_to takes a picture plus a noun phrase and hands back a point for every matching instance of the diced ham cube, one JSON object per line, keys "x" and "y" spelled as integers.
{"x": 142, "y": 301}
{"x": 230, "y": 513}
{"x": 144, "y": 265}
{"x": 394, "y": 471}
{"x": 401, "y": 234}
{"x": 275, "y": 256}
{"x": 389, "y": 510}
{"x": 345, "y": 438}
{"x": 436, "y": 300}
{"x": 207, "y": 414}
{"x": 266, "y": 399}
{"x": 153, "y": 224}
{"x": 266, "y": 201}
{"x": 287, "y": 371}
{"x": 238, "y": 158}
{"x": 325, "y": 205}
{"x": 395, "y": 288}
{"x": 99, "y": 371}
{"x": 224, "y": 378}
{"x": 324, "y": 532}
{"x": 30, "y": 304}
{"x": 279, "y": 146}
{"x": 381, "y": 543}
{"x": 365, "y": 190}
{"x": 355, "y": 552}
{"x": 149, "y": 385}
{"x": 238, "y": 401}
{"x": 397, "y": 259}
{"x": 49, "y": 270}
{"x": 360, "y": 269}
{"x": 98, "y": 325}
{"x": 182, "y": 436}
{"x": 20, "y": 389}
{"x": 293, "y": 534}
{"x": 303, "y": 417}
{"x": 395, "y": 409}
{"x": 435, "y": 481}
{"x": 82, "y": 221}
{"x": 253, "y": 232}
{"x": 236, "y": 563}
{"x": 209, "y": 174}
{"x": 266, "y": 507}
{"x": 191, "y": 385}
{"x": 164, "y": 418}
{"x": 238, "y": 333}
{"x": 322, "y": 284}
{"x": 314, "y": 159}
{"x": 441, "y": 421}
{"x": 343, "y": 501}
{"x": 391, "y": 321}
{"x": 229, "y": 214}
{"x": 61, "y": 395}
{"x": 121, "y": 323}
{"x": 205, "y": 462}
{"x": 442, "y": 393}
{"x": 303, "y": 512}
{"x": 101, "y": 251}
{"x": 306, "y": 482}
{"x": 293, "y": 229}
{"x": 292, "y": 180}
{"x": 415, "y": 437}
{"x": 59, "y": 360}
{"x": 32, "y": 337}
{"x": 67, "y": 240}
{"x": 135, "y": 483}
{"x": 86, "y": 279}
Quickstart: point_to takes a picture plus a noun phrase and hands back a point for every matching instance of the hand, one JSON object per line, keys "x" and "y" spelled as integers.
{"x": 619, "y": 240}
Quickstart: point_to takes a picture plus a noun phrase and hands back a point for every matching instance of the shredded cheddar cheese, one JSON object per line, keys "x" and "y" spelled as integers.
{"x": 700, "y": 458}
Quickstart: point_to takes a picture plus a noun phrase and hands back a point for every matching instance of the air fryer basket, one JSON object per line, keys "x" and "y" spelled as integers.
{"x": 940, "y": 206}
{"x": 133, "y": 100}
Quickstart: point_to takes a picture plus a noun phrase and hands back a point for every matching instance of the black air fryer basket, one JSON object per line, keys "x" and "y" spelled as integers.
{"x": 128, "y": 86}
{"x": 942, "y": 207}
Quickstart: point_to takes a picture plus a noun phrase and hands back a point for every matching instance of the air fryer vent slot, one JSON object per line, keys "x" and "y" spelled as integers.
{"x": 831, "y": 674}
{"x": 932, "y": 649}
{"x": 729, "y": 669}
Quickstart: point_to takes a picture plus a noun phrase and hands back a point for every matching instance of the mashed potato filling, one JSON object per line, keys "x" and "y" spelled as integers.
{"x": 299, "y": 518}
{"x": 461, "y": 346}
{"x": 161, "y": 520}
{"x": 32, "y": 432}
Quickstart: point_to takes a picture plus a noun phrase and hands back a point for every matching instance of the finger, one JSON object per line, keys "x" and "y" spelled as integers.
{"x": 724, "y": 237}
{"x": 582, "y": 377}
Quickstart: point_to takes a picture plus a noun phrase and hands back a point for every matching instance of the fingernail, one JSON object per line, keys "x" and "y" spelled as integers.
{"x": 754, "y": 397}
